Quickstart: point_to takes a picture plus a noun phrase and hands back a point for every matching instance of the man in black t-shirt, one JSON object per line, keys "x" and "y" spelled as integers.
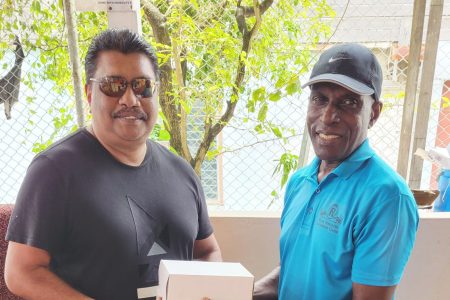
{"x": 99, "y": 209}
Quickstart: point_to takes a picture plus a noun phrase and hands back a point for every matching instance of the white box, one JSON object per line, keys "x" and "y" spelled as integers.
{"x": 197, "y": 280}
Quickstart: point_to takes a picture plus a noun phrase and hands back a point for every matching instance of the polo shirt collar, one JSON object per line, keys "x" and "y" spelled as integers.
{"x": 348, "y": 166}
{"x": 355, "y": 160}
{"x": 312, "y": 169}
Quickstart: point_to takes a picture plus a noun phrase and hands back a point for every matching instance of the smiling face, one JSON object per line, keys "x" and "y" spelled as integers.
{"x": 338, "y": 121}
{"x": 125, "y": 120}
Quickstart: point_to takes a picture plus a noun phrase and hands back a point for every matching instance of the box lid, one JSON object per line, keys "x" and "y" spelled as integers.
{"x": 197, "y": 280}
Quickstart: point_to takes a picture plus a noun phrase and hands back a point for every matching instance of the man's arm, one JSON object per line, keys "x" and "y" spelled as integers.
{"x": 207, "y": 249}
{"x": 27, "y": 275}
{"x": 367, "y": 292}
{"x": 267, "y": 287}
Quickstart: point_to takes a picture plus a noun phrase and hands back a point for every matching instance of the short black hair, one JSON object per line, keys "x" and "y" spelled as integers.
{"x": 122, "y": 40}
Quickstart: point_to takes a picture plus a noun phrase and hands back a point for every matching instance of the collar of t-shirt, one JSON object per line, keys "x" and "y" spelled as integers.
{"x": 348, "y": 166}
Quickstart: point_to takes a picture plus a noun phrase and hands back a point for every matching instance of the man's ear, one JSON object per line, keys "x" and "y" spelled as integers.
{"x": 88, "y": 91}
{"x": 377, "y": 106}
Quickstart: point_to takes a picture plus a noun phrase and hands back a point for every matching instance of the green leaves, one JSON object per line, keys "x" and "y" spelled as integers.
{"x": 287, "y": 163}
{"x": 210, "y": 51}
{"x": 164, "y": 135}
{"x": 275, "y": 96}
{"x": 36, "y": 7}
{"x": 43, "y": 37}
{"x": 263, "y": 112}
{"x": 277, "y": 132}
{"x": 259, "y": 94}
{"x": 292, "y": 88}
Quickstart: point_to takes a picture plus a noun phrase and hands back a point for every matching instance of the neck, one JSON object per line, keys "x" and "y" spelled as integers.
{"x": 130, "y": 153}
{"x": 326, "y": 168}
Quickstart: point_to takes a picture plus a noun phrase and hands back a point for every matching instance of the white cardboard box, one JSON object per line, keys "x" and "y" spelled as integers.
{"x": 198, "y": 280}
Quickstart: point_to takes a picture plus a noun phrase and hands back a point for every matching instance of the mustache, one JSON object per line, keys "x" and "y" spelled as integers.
{"x": 130, "y": 112}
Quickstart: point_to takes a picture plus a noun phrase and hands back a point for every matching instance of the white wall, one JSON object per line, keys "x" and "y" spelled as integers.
{"x": 249, "y": 238}
{"x": 252, "y": 239}
{"x": 427, "y": 275}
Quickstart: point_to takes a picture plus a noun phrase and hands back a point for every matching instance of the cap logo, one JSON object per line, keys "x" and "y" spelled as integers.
{"x": 333, "y": 59}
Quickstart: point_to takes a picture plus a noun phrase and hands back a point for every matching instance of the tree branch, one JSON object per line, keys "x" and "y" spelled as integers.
{"x": 240, "y": 19}
{"x": 257, "y": 143}
{"x": 179, "y": 76}
{"x": 211, "y": 131}
{"x": 219, "y": 12}
{"x": 249, "y": 11}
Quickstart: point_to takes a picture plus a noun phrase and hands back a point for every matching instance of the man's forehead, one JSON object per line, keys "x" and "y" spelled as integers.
{"x": 111, "y": 61}
{"x": 323, "y": 87}
{"x": 115, "y": 54}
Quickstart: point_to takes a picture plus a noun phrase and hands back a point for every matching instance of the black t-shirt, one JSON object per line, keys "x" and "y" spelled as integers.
{"x": 106, "y": 225}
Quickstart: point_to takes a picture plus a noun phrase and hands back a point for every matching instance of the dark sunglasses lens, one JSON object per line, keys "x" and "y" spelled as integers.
{"x": 113, "y": 86}
{"x": 142, "y": 87}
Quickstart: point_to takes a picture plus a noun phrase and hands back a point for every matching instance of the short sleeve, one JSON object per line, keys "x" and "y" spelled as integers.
{"x": 38, "y": 218}
{"x": 384, "y": 241}
{"x": 204, "y": 225}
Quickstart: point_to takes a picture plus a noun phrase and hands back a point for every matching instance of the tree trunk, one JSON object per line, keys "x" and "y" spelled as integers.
{"x": 175, "y": 115}
{"x": 170, "y": 109}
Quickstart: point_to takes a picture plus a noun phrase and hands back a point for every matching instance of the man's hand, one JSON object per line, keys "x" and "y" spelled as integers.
{"x": 207, "y": 249}
{"x": 267, "y": 287}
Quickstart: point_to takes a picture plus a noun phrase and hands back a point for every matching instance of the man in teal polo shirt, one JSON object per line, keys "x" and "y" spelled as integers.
{"x": 349, "y": 220}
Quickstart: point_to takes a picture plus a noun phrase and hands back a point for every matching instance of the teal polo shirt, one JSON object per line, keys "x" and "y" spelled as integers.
{"x": 357, "y": 225}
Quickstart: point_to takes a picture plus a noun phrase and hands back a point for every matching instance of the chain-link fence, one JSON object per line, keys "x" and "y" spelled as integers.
{"x": 36, "y": 110}
{"x": 242, "y": 176}
{"x": 386, "y": 27}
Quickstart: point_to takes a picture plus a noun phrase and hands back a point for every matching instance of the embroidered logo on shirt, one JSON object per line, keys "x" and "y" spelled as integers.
{"x": 330, "y": 219}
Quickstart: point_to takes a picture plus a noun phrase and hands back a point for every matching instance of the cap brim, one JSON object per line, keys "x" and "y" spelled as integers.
{"x": 342, "y": 80}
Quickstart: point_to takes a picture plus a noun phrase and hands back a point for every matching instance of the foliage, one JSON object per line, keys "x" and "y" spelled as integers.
{"x": 286, "y": 164}
{"x": 41, "y": 28}
{"x": 214, "y": 55}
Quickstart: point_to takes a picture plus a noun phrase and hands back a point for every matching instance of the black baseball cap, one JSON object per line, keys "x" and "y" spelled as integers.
{"x": 352, "y": 66}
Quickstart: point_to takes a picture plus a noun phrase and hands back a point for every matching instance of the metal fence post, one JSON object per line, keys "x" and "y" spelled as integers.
{"x": 72, "y": 41}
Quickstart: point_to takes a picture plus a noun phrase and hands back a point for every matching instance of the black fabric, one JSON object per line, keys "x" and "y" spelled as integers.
{"x": 107, "y": 225}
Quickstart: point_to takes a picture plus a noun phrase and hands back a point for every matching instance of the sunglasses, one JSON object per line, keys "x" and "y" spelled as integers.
{"x": 116, "y": 86}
